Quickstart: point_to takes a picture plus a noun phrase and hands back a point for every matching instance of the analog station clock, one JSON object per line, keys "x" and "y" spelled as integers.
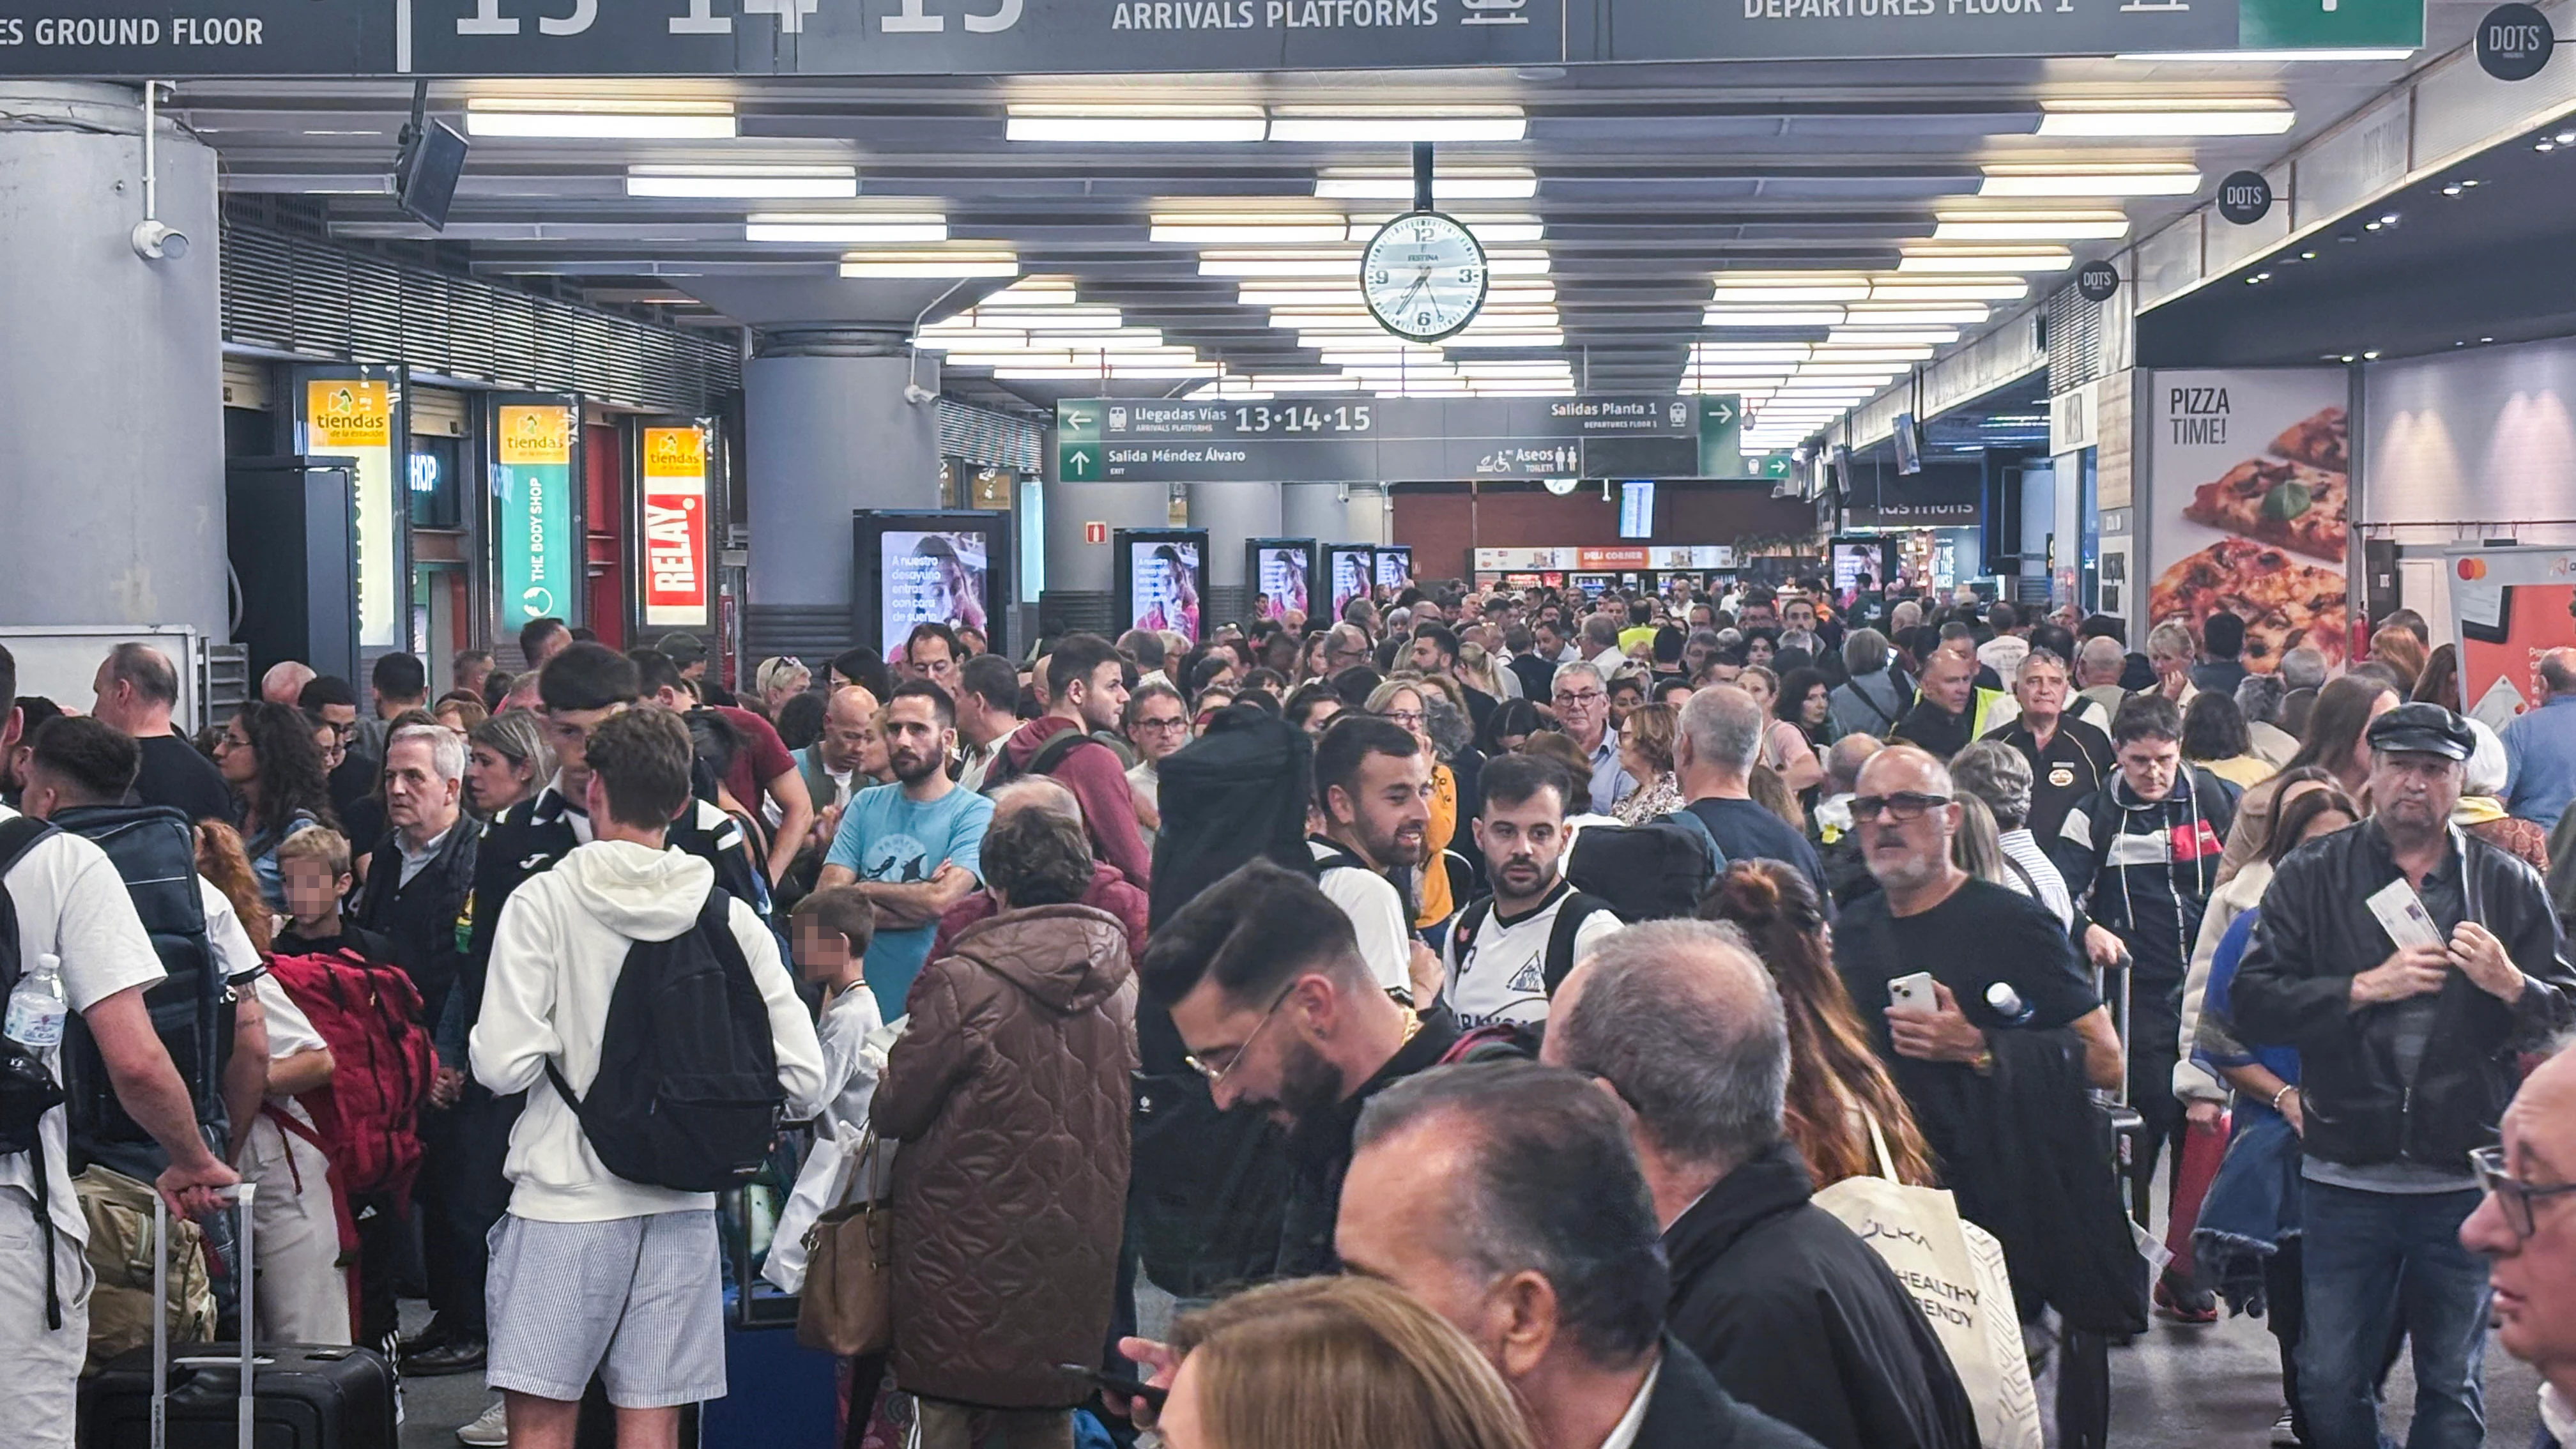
{"x": 1424, "y": 276}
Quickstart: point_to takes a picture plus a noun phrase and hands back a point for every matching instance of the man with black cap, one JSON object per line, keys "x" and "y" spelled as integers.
{"x": 2406, "y": 1068}
{"x": 690, "y": 653}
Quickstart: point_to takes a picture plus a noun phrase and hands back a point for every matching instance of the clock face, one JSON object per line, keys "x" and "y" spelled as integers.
{"x": 1424, "y": 276}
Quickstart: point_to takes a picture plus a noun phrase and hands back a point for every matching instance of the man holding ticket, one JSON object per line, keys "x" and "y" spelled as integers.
{"x": 2406, "y": 1068}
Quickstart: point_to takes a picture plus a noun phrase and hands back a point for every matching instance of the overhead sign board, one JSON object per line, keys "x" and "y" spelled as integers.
{"x": 1355, "y": 440}
{"x": 171, "y": 39}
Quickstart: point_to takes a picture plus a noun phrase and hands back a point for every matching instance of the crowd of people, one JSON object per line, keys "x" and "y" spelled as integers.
{"x": 1470, "y": 1021}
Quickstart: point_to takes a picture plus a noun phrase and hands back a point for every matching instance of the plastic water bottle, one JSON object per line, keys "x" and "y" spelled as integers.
{"x": 37, "y": 1009}
{"x": 2007, "y": 1003}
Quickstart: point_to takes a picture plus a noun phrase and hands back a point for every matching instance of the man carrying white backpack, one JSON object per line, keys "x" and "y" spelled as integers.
{"x": 614, "y": 976}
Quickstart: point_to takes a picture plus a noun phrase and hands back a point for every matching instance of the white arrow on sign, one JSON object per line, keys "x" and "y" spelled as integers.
{"x": 1075, "y": 461}
{"x": 1078, "y": 419}
{"x": 1722, "y": 413}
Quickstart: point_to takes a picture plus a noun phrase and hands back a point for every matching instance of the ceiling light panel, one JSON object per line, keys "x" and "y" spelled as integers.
{"x": 839, "y": 228}
{"x": 1396, "y": 184}
{"x": 1137, "y": 124}
{"x": 2193, "y": 117}
{"x": 930, "y": 264}
{"x": 747, "y": 182}
{"x": 1254, "y": 228}
{"x": 581, "y": 119}
{"x": 1385, "y": 125}
{"x": 1735, "y": 316}
{"x": 2000, "y": 259}
{"x": 2033, "y": 226}
{"x": 2143, "y": 179}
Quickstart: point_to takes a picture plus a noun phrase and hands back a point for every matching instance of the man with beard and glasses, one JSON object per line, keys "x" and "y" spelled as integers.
{"x": 912, "y": 847}
{"x": 1507, "y": 952}
{"x": 1373, "y": 792}
{"x": 1281, "y": 1013}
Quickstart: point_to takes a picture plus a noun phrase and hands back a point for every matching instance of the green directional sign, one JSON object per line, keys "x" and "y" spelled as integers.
{"x": 1721, "y": 435}
{"x": 1077, "y": 441}
{"x": 2307, "y": 24}
{"x": 1770, "y": 465}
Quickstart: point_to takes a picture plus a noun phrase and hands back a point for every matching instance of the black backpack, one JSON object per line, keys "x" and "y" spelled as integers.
{"x": 27, "y": 1088}
{"x": 154, "y": 850}
{"x": 686, "y": 1095}
{"x": 1651, "y": 872}
{"x": 1051, "y": 754}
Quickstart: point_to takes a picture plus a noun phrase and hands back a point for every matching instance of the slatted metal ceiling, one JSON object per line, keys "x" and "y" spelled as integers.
{"x": 295, "y": 295}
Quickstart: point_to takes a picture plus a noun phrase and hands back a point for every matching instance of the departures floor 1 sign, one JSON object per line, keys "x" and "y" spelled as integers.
{"x": 173, "y": 39}
{"x": 1373, "y": 439}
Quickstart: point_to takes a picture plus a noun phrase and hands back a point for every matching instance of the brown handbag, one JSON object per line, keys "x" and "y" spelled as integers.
{"x": 847, "y": 1307}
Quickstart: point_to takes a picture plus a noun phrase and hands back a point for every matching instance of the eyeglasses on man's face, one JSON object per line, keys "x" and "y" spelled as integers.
{"x": 1902, "y": 806}
{"x": 1219, "y": 1061}
{"x": 2516, "y": 1199}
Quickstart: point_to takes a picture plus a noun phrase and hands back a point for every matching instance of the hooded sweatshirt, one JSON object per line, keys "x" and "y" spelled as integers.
{"x": 556, "y": 956}
{"x": 1098, "y": 779}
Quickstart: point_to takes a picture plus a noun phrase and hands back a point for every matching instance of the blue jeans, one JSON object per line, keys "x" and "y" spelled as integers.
{"x": 2377, "y": 1261}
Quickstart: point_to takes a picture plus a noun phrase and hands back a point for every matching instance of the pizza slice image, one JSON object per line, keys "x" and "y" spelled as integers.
{"x": 2291, "y": 504}
{"x": 2284, "y": 601}
{"x": 2323, "y": 439}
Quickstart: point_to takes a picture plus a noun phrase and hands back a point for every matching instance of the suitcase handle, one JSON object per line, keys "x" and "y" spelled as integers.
{"x": 243, "y": 1195}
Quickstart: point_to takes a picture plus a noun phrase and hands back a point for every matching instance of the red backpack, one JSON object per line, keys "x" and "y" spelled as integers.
{"x": 367, "y": 1119}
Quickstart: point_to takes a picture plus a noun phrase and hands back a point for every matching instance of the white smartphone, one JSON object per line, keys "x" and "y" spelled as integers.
{"x": 1913, "y": 993}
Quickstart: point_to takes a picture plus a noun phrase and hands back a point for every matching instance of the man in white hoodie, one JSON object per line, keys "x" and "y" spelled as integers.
{"x": 593, "y": 1274}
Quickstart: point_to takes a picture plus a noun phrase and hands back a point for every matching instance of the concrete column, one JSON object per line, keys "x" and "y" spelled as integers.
{"x": 1076, "y": 567}
{"x": 828, "y": 431}
{"x": 1233, "y": 514}
{"x": 111, "y": 369}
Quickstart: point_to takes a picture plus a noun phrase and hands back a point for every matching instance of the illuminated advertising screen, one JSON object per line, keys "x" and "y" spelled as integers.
{"x": 354, "y": 417}
{"x": 1163, "y": 578}
{"x": 676, "y": 568}
{"x": 939, "y": 577}
{"x": 1281, "y": 574}
{"x": 1395, "y": 567}
{"x": 1352, "y": 573}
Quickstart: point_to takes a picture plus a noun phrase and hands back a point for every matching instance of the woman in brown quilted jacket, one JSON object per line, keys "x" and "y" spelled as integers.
{"x": 1009, "y": 1092}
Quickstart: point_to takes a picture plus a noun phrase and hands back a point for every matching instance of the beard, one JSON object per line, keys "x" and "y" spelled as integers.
{"x": 911, "y": 768}
{"x": 1309, "y": 1085}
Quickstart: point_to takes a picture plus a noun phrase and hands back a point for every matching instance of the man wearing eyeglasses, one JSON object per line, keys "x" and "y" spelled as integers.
{"x": 1281, "y": 1014}
{"x": 2526, "y": 1228}
{"x": 1583, "y": 712}
{"x": 2406, "y": 1068}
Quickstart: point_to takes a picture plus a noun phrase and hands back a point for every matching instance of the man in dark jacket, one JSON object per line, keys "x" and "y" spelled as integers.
{"x": 2405, "y": 1068}
{"x": 2140, "y": 857}
{"x": 1008, "y": 1091}
{"x": 1505, "y": 1197}
{"x": 1792, "y": 1312}
{"x": 1265, "y": 984}
{"x": 419, "y": 878}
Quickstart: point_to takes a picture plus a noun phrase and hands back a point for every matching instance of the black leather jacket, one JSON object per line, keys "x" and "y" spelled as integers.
{"x": 2294, "y": 988}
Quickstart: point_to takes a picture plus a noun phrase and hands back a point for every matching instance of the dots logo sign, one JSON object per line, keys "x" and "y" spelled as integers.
{"x": 675, "y": 526}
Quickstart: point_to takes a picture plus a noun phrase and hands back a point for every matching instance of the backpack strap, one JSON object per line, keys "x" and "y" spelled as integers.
{"x": 18, "y": 836}
{"x": 1057, "y": 748}
{"x": 1689, "y": 820}
{"x": 1571, "y": 913}
{"x": 1462, "y": 931}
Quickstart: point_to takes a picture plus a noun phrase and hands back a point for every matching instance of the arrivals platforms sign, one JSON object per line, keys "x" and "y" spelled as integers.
{"x": 178, "y": 38}
{"x": 675, "y": 527}
{"x": 532, "y": 517}
{"x": 1366, "y": 439}
{"x": 354, "y": 418}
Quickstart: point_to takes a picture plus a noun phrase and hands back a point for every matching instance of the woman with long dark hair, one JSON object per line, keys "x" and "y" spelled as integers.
{"x": 1838, "y": 1086}
{"x": 268, "y": 757}
{"x": 2333, "y": 739}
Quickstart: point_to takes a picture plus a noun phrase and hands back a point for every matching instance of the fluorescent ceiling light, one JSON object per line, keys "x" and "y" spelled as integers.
{"x": 1999, "y": 289}
{"x": 2270, "y": 57}
{"x": 930, "y": 264}
{"x": 573, "y": 119}
{"x": 1396, "y": 184}
{"x": 802, "y": 182}
{"x": 836, "y": 228}
{"x": 2013, "y": 259}
{"x": 1835, "y": 355}
{"x": 1304, "y": 382}
{"x": 1141, "y": 124}
{"x": 1872, "y": 314}
{"x": 1490, "y": 231}
{"x": 2005, "y": 226}
{"x": 1772, "y": 317}
{"x": 1280, "y": 228}
{"x": 2142, "y": 179}
{"x": 1314, "y": 263}
{"x": 2251, "y": 117}
{"x": 1766, "y": 294}
{"x": 1474, "y": 338}
{"x": 1393, "y": 124}
{"x": 1839, "y": 341}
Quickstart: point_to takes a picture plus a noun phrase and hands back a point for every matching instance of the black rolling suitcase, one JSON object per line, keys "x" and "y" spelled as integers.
{"x": 224, "y": 1396}
{"x": 2128, "y": 1125}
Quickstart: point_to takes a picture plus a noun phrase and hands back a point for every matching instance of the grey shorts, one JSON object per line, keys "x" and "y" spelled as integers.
{"x": 637, "y": 1301}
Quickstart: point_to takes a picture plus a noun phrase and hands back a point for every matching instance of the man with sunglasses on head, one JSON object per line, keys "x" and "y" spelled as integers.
{"x": 2410, "y": 964}
{"x": 2526, "y": 1228}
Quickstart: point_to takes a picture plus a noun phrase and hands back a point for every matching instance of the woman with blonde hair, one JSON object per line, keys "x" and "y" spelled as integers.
{"x": 1646, "y": 753}
{"x": 226, "y": 867}
{"x": 1404, "y": 701}
{"x": 1838, "y": 1085}
{"x": 1785, "y": 747}
{"x": 780, "y": 679}
{"x": 1333, "y": 1363}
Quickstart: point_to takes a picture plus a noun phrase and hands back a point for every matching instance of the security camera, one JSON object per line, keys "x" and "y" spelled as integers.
{"x": 156, "y": 241}
{"x": 917, "y": 395}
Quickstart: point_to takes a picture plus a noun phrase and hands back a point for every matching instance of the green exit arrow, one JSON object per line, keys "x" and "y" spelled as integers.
{"x": 1721, "y": 438}
{"x": 1077, "y": 461}
{"x": 1777, "y": 465}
